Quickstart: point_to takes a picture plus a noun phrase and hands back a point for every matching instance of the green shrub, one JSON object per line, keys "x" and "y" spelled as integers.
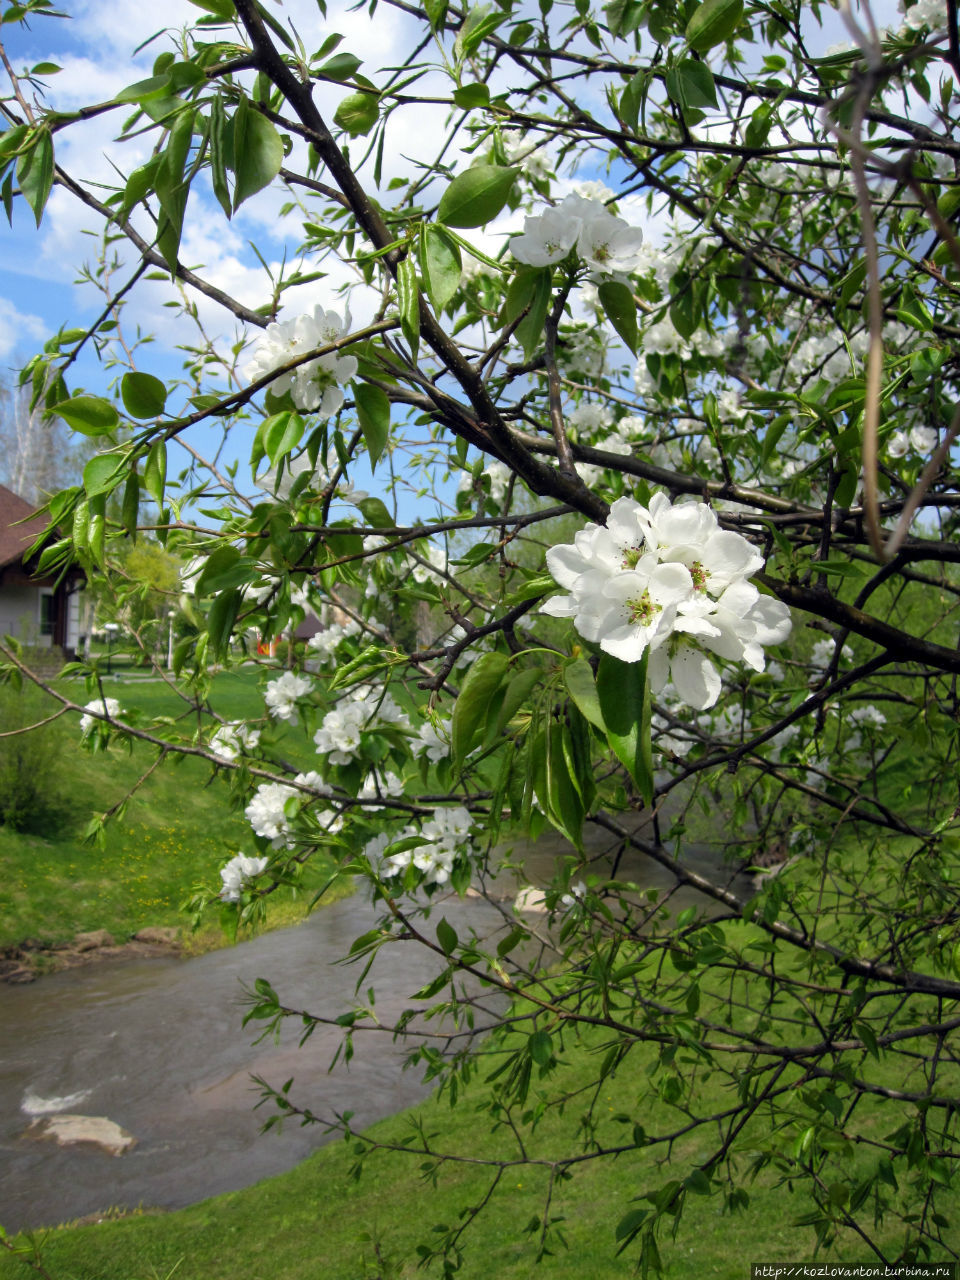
{"x": 28, "y": 758}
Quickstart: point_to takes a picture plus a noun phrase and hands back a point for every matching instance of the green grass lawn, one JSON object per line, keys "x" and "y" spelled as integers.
{"x": 177, "y": 831}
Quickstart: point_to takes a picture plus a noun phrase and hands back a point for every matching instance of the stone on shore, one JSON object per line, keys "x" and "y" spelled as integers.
{"x": 95, "y": 1131}
{"x": 93, "y": 940}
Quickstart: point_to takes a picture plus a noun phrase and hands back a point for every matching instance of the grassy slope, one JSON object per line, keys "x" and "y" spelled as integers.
{"x": 178, "y": 831}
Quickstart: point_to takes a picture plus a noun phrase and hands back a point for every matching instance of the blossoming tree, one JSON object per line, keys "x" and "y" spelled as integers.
{"x": 646, "y": 360}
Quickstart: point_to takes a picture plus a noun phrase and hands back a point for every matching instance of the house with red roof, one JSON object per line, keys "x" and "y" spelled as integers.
{"x": 38, "y": 611}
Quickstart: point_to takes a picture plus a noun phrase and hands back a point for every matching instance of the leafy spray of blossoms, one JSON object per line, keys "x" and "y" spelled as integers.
{"x": 314, "y": 386}
{"x": 667, "y": 581}
{"x": 446, "y": 836}
{"x": 608, "y": 245}
{"x": 241, "y": 868}
{"x": 233, "y": 738}
{"x": 104, "y": 707}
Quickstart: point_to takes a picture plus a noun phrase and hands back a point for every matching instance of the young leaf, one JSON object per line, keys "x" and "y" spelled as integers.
{"x": 447, "y": 936}
{"x": 357, "y": 113}
{"x": 440, "y": 265}
{"x": 373, "y": 414}
{"x": 155, "y": 471}
{"x": 578, "y": 677}
{"x": 408, "y": 299}
{"x": 143, "y": 395}
{"x": 712, "y": 23}
{"x": 476, "y": 197}
{"x": 621, "y": 310}
{"x": 625, "y": 703}
{"x": 470, "y": 712}
{"x": 90, "y": 415}
{"x": 102, "y": 473}
{"x": 220, "y": 620}
{"x": 35, "y": 171}
{"x": 257, "y": 152}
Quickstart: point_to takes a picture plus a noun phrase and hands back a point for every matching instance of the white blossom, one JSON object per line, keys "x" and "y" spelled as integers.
{"x": 241, "y": 868}
{"x": 266, "y": 814}
{"x": 666, "y": 579}
{"x": 315, "y": 385}
{"x": 233, "y": 738}
{"x": 434, "y": 741}
{"x": 104, "y": 707}
{"x": 282, "y": 695}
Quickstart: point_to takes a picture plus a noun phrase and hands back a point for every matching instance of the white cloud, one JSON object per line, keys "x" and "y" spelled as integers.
{"x": 15, "y": 326}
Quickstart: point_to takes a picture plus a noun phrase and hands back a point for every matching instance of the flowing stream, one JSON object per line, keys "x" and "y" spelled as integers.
{"x": 157, "y": 1047}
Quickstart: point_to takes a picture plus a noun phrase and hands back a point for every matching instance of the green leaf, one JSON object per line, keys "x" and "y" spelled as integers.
{"x": 471, "y": 95}
{"x": 408, "y": 299}
{"x": 470, "y": 712}
{"x": 143, "y": 395}
{"x": 357, "y": 113}
{"x": 631, "y": 99}
{"x": 476, "y": 197}
{"x": 529, "y": 331}
{"x": 690, "y": 84}
{"x": 578, "y": 678}
{"x": 436, "y": 11}
{"x": 102, "y": 473}
{"x": 155, "y": 471}
{"x": 447, "y": 936}
{"x": 220, "y": 620}
{"x": 540, "y": 1045}
{"x": 35, "y": 171}
{"x": 441, "y": 265}
{"x": 141, "y": 90}
{"x": 621, "y": 310}
{"x": 625, "y": 703}
{"x": 712, "y": 23}
{"x": 281, "y": 433}
{"x": 218, "y": 571}
{"x": 515, "y": 695}
{"x": 481, "y": 21}
{"x": 376, "y": 514}
{"x": 373, "y": 414}
{"x": 257, "y": 152}
{"x": 90, "y": 415}
{"x": 131, "y": 503}
{"x": 341, "y": 66}
{"x": 220, "y": 160}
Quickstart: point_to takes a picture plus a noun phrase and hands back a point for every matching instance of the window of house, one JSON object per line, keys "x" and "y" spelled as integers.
{"x": 48, "y": 612}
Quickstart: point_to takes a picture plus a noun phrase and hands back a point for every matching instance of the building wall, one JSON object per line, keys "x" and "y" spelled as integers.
{"x": 20, "y": 613}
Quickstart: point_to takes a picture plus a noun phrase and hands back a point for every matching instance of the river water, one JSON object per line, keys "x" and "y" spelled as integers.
{"x": 157, "y": 1046}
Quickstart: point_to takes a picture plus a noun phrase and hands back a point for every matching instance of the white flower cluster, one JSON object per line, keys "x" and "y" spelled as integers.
{"x": 446, "y": 836}
{"x": 434, "y": 740}
{"x": 821, "y": 655}
{"x": 667, "y": 579}
{"x": 326, "y": 642}
{"x": 607, "y": 244}
{"x": 266, "y": 813}
{"x": 104, "y": 707}
{"x": 314, "y": 386}
{"x": 233, "y": 738}
{"x": 377, "y": 786}
{"x": 338, "y": 737}
{"x": 241, "y": 868}
{"x": 925, "y": 13}
{"x": 282, "y": 695}
{"x": 923, "y": 439}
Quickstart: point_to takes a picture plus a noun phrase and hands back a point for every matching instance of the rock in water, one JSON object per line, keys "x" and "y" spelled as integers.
{"x": 96, "y": 1131}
